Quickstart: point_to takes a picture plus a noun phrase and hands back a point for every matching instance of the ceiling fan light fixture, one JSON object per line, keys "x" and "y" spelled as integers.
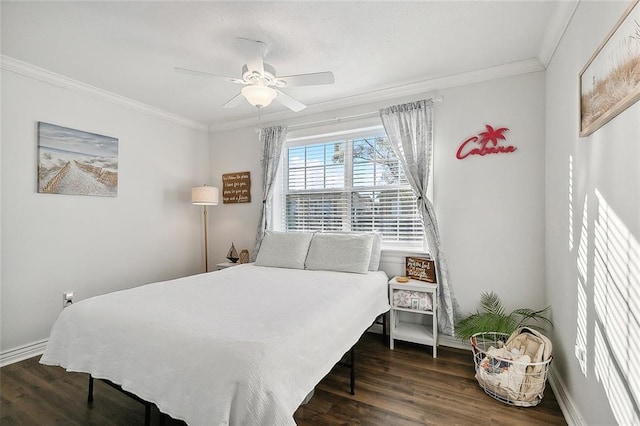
{"x": 259, "y": 96}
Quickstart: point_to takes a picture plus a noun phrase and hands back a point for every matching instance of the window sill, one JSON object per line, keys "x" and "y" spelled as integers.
{"x": 398, "y": 255}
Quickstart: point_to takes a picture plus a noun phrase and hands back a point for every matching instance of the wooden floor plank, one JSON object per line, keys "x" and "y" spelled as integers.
{"x": 403, "y": 387}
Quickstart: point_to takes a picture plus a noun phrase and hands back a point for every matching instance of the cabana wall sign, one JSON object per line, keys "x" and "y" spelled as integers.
{"x": 487, "y": 142}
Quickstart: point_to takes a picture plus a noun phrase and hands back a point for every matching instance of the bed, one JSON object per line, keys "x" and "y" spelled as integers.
{"x": 244, "y": 345}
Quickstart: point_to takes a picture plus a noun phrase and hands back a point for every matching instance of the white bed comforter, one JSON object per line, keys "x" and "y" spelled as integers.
{"x": 241, "y": 346}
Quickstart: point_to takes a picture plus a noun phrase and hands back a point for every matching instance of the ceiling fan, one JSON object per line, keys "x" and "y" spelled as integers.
{"x": 261, "y": 83}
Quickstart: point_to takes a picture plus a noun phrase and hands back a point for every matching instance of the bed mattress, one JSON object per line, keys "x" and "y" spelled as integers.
{"x": 244, "y": 345}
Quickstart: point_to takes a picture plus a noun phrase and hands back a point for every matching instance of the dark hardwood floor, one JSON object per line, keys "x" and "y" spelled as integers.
{"x": 405, "y": 386}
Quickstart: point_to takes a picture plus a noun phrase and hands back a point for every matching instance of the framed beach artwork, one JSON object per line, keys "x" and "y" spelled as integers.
{"x": 74, "y": 162}
{"x": 610, "y": 82}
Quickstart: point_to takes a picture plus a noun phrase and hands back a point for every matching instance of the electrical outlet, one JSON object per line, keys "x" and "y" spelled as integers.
{"x": 67, "y": 298}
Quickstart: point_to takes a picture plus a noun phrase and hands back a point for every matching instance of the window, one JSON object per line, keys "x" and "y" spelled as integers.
{"x": 352, "y": 182}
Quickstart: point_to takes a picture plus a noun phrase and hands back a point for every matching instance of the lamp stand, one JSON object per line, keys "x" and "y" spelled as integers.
{"x": 206, "y": 242}
{"x": 205, "y": 196}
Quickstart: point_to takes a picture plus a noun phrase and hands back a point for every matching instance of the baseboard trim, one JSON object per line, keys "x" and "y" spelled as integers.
{"x": 453, "y": 342}
{"x": 21, "y": 353}
{"x": 567, "y": 406}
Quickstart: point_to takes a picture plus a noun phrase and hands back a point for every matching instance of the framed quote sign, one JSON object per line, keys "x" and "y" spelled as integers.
{"x": 421, "y": 268}
{"x": 236, "y": 188}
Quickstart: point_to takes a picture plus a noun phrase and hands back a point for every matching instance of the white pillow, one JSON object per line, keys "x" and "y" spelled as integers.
{"x": 284, "y": 249}
{"x": 376, "y": 247}
{"x": 376, "y": 251}
{"x": 340, "y": 252}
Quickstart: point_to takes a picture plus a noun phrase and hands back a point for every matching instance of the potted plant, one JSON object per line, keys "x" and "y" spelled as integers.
{"x": 492, "y": 318}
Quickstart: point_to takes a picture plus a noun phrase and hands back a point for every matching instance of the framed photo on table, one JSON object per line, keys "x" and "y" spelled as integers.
{"x": 421, "y": 268}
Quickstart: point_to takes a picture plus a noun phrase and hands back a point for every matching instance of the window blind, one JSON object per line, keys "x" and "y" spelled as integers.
{"x": 350, "y": 184}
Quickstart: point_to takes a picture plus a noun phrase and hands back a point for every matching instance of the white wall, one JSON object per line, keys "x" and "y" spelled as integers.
{"x": 593, "y": 229}
{"x": 234, "y": 151}
{"x": 491, "y": 209}
{"x": 92, "y": 245}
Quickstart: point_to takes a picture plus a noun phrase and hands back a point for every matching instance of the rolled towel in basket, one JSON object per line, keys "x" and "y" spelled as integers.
{"x": 503, "y": 372}
{"x": 538, "y": 347}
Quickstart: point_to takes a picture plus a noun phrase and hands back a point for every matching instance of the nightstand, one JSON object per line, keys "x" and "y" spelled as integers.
{"x": 225, "y": 265}
{"x": 411, "y": 317}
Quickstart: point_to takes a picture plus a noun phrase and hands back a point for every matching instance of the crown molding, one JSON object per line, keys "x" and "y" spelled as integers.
{"x": 556, "y": 28}
{"x": 492, "y": 73}
{"x": 31, "y": 71}
{"x": 455, "y": 80}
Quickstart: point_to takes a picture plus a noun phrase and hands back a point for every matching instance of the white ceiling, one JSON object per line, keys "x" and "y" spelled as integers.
{"x": 131, "y": 48}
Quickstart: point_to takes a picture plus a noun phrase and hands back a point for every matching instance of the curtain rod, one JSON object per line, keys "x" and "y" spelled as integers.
{"x": 337, "y": 119}
{"x": 351, "y": 117}
{"x": 348, "y": 117}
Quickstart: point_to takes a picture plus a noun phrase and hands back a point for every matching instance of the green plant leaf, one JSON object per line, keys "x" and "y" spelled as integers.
{"x": 491, "y": 303}
{"x": 492, "y": 318}
{"x": 528, "y": 315}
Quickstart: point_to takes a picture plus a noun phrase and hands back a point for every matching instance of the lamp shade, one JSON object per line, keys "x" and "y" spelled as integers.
{"x": 204, "y": 195}
{"x": 259, "y": 96}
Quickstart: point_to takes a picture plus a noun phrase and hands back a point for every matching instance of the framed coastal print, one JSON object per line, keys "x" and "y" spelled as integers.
{"x": 75, "y": 162}
{"x": 610, "y": 82}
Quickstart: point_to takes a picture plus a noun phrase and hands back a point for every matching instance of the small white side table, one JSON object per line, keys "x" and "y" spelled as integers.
{"x": 410, "y": 331}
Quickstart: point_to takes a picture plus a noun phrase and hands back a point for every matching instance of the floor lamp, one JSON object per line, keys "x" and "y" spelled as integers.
{"x": 205, "y": 196}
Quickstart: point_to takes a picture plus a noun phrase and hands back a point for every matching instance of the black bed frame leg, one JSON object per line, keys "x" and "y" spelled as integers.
{"x": 90, "y": 395}
{"x": 384, "y": 328}
{"x": 147, "y": 405}
{"x": 147, "y": 414}
{"x": 353, "y": 372}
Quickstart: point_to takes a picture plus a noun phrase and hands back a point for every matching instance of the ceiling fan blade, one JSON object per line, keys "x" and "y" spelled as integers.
{"x": 233, "y": 102}
{"x": 289, "y": 102}
{"x": 311, "y": 79}
{"x": 210, "y": 74}
{"x": 255, "y": 50}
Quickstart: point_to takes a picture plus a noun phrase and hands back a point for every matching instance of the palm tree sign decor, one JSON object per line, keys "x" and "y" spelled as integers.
{"x": 488, "y": 142}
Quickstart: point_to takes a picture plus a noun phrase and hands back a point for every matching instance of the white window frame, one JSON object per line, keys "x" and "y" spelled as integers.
{"x": 308, "y": 137}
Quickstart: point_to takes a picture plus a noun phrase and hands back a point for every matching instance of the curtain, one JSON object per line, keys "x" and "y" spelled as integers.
{"x": 272, "y": 139}
{"x": 409, "y": 128}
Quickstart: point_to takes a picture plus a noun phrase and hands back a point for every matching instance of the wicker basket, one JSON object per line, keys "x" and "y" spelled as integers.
{"x": 504, "y": 375}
